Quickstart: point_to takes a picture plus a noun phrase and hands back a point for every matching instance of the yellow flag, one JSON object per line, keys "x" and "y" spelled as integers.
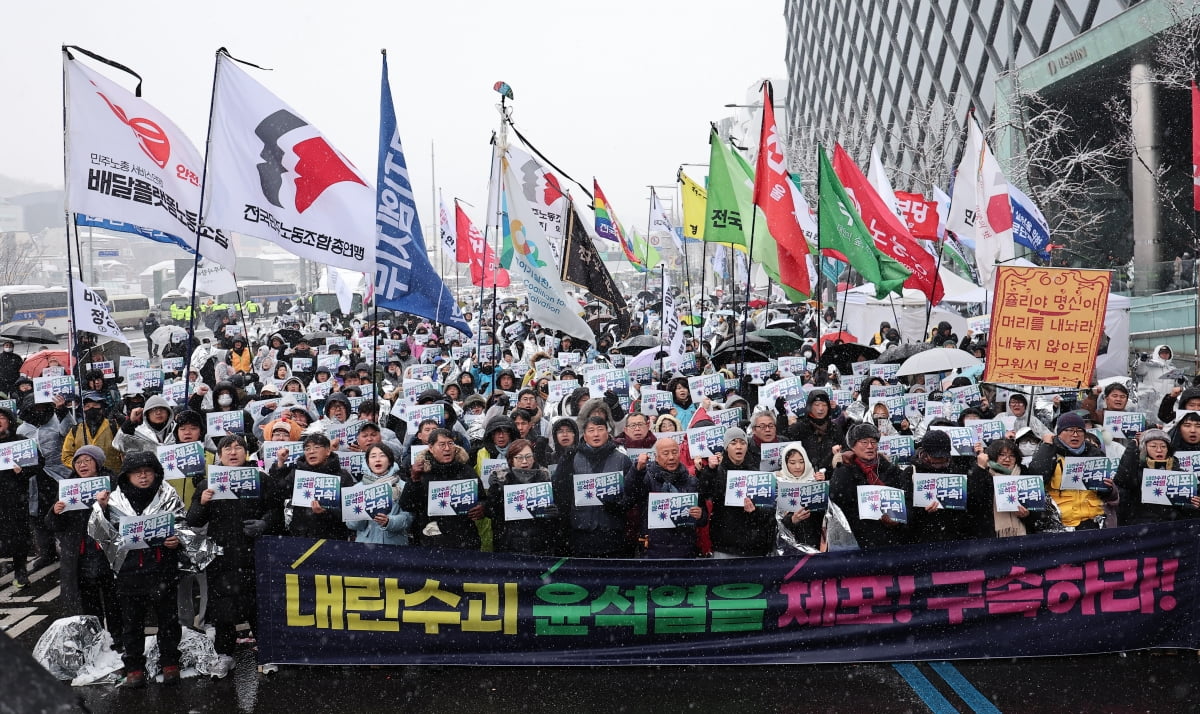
{"x": 695, "y": 202}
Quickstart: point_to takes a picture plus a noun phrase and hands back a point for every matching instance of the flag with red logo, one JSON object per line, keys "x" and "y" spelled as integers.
{"x": 890, "y": 235}
{"x": 920, "y": 214}
{"x": 274, "y": 176}
{"x": 131, "y": 165}
{"x": 981, "y": 207}
{"x": 485, "y": 269}
{"x": 772, "y": 194}
{"x": 1195, "y": 147}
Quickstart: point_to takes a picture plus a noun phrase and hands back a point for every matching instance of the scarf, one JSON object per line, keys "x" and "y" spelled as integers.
{"x": 870, "y": 469}
{"x": 1074, "y": 452}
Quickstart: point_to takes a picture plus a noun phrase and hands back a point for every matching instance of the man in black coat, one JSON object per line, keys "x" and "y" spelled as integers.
{"x": 10, "y": 368}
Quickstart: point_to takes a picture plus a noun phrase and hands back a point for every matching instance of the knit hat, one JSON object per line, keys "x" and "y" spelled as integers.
{"x": 732, "y": 434}
{"x": 936, "y": 444}
{"x": 858, "y": 432}
{"x": 95, "y": 452}
{"x": 1155, "y": 434}
{"x": 816, "y": 396}
{"x": 1070, "y": 420}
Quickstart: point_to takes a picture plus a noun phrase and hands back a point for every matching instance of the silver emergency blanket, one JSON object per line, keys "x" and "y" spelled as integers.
{"x": 785, "y": 540}
{"x": 79, "y": 650}
{"x": 838, "y": 535}
{"x": 197, "y": 655}
{"x": 198, "y": 549}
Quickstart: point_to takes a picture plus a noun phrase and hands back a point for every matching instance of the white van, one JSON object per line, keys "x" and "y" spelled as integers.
{"x": 129, "y": 310}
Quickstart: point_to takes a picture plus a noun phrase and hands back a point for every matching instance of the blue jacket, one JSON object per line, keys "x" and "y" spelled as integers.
{"x": 399, "y": 520}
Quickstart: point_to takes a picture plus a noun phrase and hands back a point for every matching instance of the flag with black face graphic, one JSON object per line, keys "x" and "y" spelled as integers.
{"x": 274, "y": 176}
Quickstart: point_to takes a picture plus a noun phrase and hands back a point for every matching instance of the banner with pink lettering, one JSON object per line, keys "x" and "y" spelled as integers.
{"x": 334, "y": 602}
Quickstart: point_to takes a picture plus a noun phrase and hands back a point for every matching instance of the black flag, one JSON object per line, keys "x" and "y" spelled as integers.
{"x": 582, "y": 266}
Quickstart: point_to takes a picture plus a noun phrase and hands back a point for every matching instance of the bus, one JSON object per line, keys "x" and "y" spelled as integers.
{"x": 37, "y": 305}
{"x": 328, "y": 303}
{"x": 266, "y": 294}
{"x": 129, "y": 310}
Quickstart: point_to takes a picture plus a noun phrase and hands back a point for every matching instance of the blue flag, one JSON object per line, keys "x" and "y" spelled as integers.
{"x": 404, "y": 279}
{"x": 1029, "y": 225}
{"x": 120, "y": 227}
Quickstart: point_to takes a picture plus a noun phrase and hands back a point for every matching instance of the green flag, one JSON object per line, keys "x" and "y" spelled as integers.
{"x": 842, "y": 229}
{"x": 731, "y": 211}
{"x": 645, "y": 251}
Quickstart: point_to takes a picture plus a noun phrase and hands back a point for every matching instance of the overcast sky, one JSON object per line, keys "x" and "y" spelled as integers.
{"x": 622, "y": 90}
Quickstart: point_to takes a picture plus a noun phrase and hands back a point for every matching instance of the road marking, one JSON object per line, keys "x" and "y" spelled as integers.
{"x": 963, "y": 688}
{"x": 51, "y": 595}
{"x": 25, "y": 625}
{"x": 924, "y": 689}
{"x": 11, "y": 617}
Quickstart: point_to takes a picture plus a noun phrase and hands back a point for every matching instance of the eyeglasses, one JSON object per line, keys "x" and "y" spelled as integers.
{"x": 764, "y": 426}
{"x": 1073, "y": 431}
{"x": 523, "y": 457}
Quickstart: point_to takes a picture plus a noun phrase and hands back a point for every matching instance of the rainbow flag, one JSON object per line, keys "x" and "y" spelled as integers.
{"x": 609, "y": 228}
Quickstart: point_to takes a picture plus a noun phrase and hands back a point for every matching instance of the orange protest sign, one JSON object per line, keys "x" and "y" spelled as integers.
{"x": 1046, "y": 325}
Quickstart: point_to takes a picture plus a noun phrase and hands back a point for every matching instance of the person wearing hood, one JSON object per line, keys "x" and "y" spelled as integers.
{"x": 1156, "y": 452}
{"x": 147, "y": 427}
{"x": 821, "y": 436}
{"x": 665, "y": 474}
{"x": 681, "y": 400}
{"x": 389, "y": 528}
{"x": 15, "y": 486}
{"x": 87, "y": 584}
{"x": 147, "y": 577}
{"x": 1178, "y": 398}
{"x": 1154, "y": 373}
{"x": 315, "y": 520}
{"x": 47, "y": 424}
{"x": 594, "y": 531}
{"x": 96, "y": 429}
{"x": 445, "y": 460}
{"x": 239, "y": 358}
{"x": 498, "y": 433}
{"x": 564, "y": 437}
{"x": 10, "y": 368}
{"x": 1080, "y": 509}
{"x": 506, "y": 381}
{"x": 1023, "y": 417}
{"x": 540, "y": 535}
{"x": 234, "y": 523}
{"x": 805, "y": 526}
{"x": 737, "y": 531}
{"x": 863, "y": 465}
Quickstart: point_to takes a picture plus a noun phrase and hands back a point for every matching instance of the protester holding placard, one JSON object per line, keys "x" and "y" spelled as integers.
{"x": 391, "y": 528}
{"x": 862, "y": 465}
{"x": 742, "y": 531}
{"x": 14, "y": 505}
{"x": 542, "y": 534}
{"x": 313, "y": 520}
{"x": 821, "y": 436}
{"x": 1081, "y": 509}
{"x": 47, "y": 424}
{"x": 96, "y": 429}
{"x": 682, "y": 402}
{"x": 660, "y": 475}
{"x": 934, "y": 524}
{"x": 805, "y": 526}
{"x": 596, "y": 528}
{"x": 236, "y": 516}
{"x": 445, "y": 461}
{"x": 994, "y": 518}
{"x": 147, "y": 427}
{"x": 87, "y": 585}
{"x": 146, "y": 577}
{"x": 1155, "y": 452}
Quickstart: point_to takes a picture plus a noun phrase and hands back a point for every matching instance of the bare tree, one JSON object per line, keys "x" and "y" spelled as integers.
{"x": 18, "y": 258}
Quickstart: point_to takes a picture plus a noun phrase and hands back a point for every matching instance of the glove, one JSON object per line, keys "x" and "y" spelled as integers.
{"x": 254, "y": 527}
{"x": 550, "y": 511}
{"x": 781, "y": 406}
{"x": 613, "y": 402}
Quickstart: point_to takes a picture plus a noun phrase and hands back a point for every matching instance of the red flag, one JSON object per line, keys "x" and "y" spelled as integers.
{"x": 920, "y": 214}
{"x": 773, "y": 194}
{"x": 1195, "y": 147}
{"x": 891, "y": 236}
{"x": 485, "y": 269}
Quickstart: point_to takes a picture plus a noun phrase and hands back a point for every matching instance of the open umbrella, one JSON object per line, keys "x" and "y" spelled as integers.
{"x": 898, "y": 353}
{"x": 36, "y": 362}
{"x": 636, "y": 344}
{"x": 164, "y": 334}
{"x": 757, "y": 303}
{"x": 752, "y": 341}
{"x": 781, "y": 341}
{"x": 943, "y": 359}
{"x": 316, "y": 338}
{"x": 731, "y": 353}
{"x": 841, "y": 335}
{"x": 30, "y": 333}
{"x": 845, "y": 354}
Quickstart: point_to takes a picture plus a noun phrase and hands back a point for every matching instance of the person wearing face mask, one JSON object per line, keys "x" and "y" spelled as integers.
{"x": 10, "y": 368}
{"x": 1080, "y": 509}
{"x": 97, "y": 430}
{"x": 14, "y": 506}
{"x": 234, "y": 524}
{"x": 47, "y": 424}
{"x": 863, "y": 465}
{"x": 147, "y": 427}
{"x": 1157, "y": 452}
{"x": 743, "y": 531}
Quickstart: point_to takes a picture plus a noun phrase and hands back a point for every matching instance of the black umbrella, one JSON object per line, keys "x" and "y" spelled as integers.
{"x": 288, "y": 335}
{"x": 898, "y": 353}
{"x": 636, "y": 344}
{"x": 782, "y": 341}
{"x": 318, "y": 337}
{"x": 752, "y": 341}
{"x": 730, "y": 353}
{"x": 846, "y": 353}
{"x": 29, "y": 333}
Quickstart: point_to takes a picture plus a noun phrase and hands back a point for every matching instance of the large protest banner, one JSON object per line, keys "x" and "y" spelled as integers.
{"x": 1046, "y": 326}
{"x": 337, "y": 602}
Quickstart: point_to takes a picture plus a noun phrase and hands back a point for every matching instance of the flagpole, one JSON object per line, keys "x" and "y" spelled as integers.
{"x": 929, "y": 304}
{"x": 749, "y": 282}
{"x": 820, "y": 271}
{"x": 69, "y": 226}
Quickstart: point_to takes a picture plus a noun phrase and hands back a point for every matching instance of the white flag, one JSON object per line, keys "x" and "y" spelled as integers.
{"x": 672, "y": 330}
{"x": 660, "y": 223}
{"x": 446, "y": 232}
{"x": 877, "y": 177}
{"x": 337, "y": 284}
{"x": 274, "y": 176}
{"x": 981, "y": 206}
{"x": 128, "y": 163}
{"x": 544, "y": 194}
{"x": 549, "y": 303}
{"x": 91, "y": 314}
{"x": 212, "y": 279}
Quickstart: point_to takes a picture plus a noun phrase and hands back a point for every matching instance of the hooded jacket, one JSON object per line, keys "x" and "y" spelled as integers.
{"x": 224, "y": 520}
{"x": 807, "y": 531}
{"x": 143, "y": 437}
{"x": 156, "y": 563}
